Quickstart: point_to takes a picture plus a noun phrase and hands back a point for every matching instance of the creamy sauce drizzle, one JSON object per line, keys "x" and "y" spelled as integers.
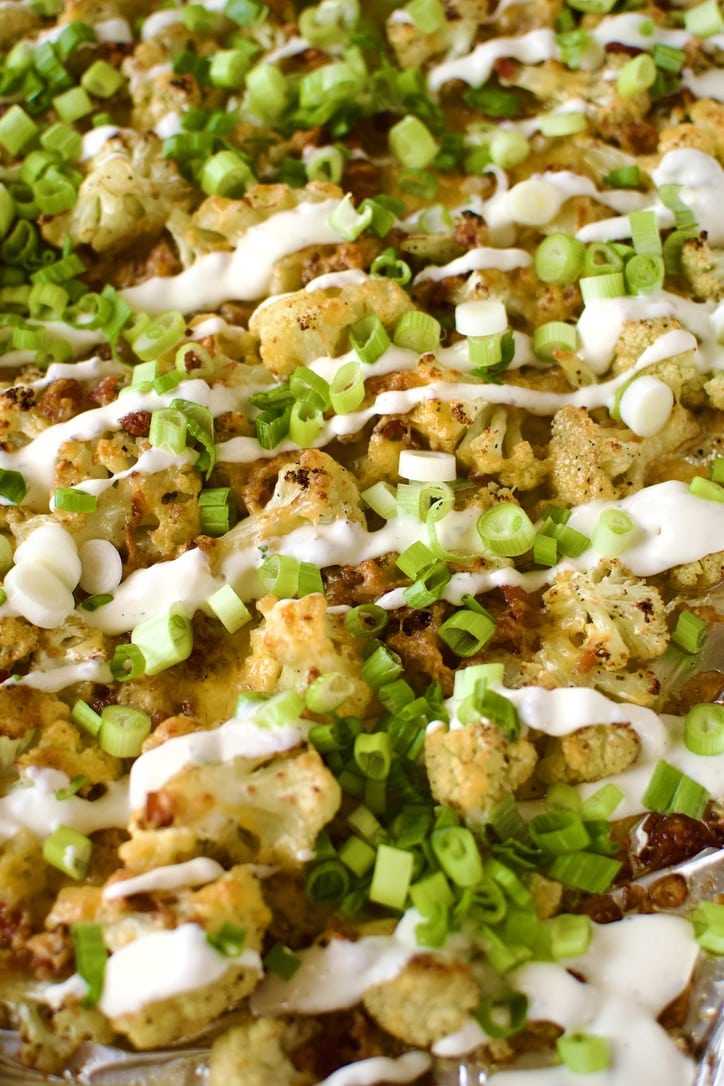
{"x": 176, "y": 876}
{"x": 170, "y": 963}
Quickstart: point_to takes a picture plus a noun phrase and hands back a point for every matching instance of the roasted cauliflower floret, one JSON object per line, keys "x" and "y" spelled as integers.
{"x": 65, "y": 747}
{"x": 585, "y": 457}
{"x": 252, "y": 810}
{"x": 311, "y": 489}
{"x": 280, "y": 658}
{"x": 126, "y": 195}
{"x": 255, "y": 1053}
{"x": 296, "y": 329}
{"x": 429, "y": 999}
{"x": 589, "y": 754}
{"x": 611, "y": 617}
{"x": 22, "y": 870}
{"x": 494, "y": 445}
{"x": 704, "y": 268}
{"x": 473, "y": 768}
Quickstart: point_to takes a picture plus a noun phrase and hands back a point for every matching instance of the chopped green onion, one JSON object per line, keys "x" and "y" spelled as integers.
{"x": 69, "y": 499}
{"x": 428, "y": 587}
{"x": 123, "y": 731}
{"x": 72, "y": 105}
{"x": 412, "y": 143}
{"x": 602, "y": 803}
{"x": 218, "y": 510}
{"x": 417, "y": 331}
{"x": 584, "y": 1053}
{"x": 327, "y": 883}
{"x": 645, "y": 231}
{"x": 380, "y": 497}
{"x": 505, "y": 529}
{"x": 704, "y": 729}
{"x": 585, "y": 871}
{"x": 636, "y": 76}
{"x": 389, "y": 266}
{"x": 228, "y": 940}
{"x": 369, "y": 339}
{"x": 503, "y": 1014}
{"x": 128, "y": 662}
{"x": 380, "y": 667}
{"x": 552, "y": 337}
{"x": 702, "y": 488}
{"x": 72, "y": 787}
{"x": 226, "y": 174}
{"x": 562, "y": 123}
{"x": 644, "y": 273}
{"x": 279, "y": 575}
{"x": 280, "y": 710}
{"x": 601, "y": 258}
{"x": 508, "y": 148}
{"x": 457, "y": 853}
{"x": 90, "y": 958}
{"x": 165, "y": 639}
{"x": 717, "y": 469}
{"x": 281, "y": 961}
{"x": 305, "y": 424}
{"x": 325, "y": 164}
{"x": 348, "y": 222}
{"x": 559, "y": 259}
{"x": 168, "y": 430}
{"x": 102, "y": 79}
{"x": 13, "y": 487}
{"x": 328, "y": 692}
{"x": 614, "y": 533}
{"x": 347, "y": 390}
{"x": 308, "y": 387}
{"x": 545, "y": 550}
{"x": 467, "y": 632}
{"x": 670, "y": 790}
{"x": 704, "y": 20}
{"x": 366, "y": 620}
{"x": 372, "y": 754}
{"x": 391, "y": 877}
{"x": 595, "y": 287}
{"x": 229, "y": 608}
{"x": 708, "y": 921}
{"x": 624, "y": 177}
{"x": 689, "y": 632}
{"x": 558, "y": 831}
{"x": 17, "y": 129}
{"x": 159, "y": 335}
{"x": 357, "y": 855}
{"x": 85, "y": 717}
{"x": 69, "y": 851}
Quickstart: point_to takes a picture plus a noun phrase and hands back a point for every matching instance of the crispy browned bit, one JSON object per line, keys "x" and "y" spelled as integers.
{"x": 159, "y": 810}
{"x": 61, "y": 400}
{"x": 674, "y": 838}
{"x": 137, "y": 423}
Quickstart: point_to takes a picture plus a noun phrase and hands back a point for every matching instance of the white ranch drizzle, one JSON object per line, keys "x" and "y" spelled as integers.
{"x": 370, "y": 1072}
{"x": 36, "y": 809}
{"x": 54, "y": 679}
{"x": 237, "y": 738}
{"x": 708, "y": 84}
{"x": 337, "y": 975}
{"x": 245, "y": 273}
{"x": 171, "y": 963}
{"x": 194, "y": 872}
{"x": 476, "y": 260}
{"x": 475, "y": 68}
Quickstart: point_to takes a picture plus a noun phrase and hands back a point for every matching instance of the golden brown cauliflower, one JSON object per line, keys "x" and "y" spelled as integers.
{"x": 127, "y": 194}
{"x": 296, "y": 329}
{"x": 586, "y": 457}
{"x": 429, "y": 999}
{"x": 704, "y": 268}
{"x": 255, "y": 1053}
{"x": 494, "y": 445}
{"x": 254, "y": 810}
{"x": 280, "y": 658}
{"x": 473, "y": 768}
{"x": 589, "y": 754}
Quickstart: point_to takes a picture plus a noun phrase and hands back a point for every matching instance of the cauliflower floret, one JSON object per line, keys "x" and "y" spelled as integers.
{"x": 18, "y": 639}
{"x": 252, "y": 810}
{"x": 127, "y": 195}
{"x": 428, "y": 1000}
{"x": 255, "y": 1053}
{"x": 589, "y": 754}
{"x": 64, "y": 747}
{"x": 22, "y": 871}
{"x": 16, "y": 20}
{"x": 494, "y": 445}
{"x": 296, "y": 329}
{"x": 704, "y": 268}
{"x": 473, "y": 768}
{"x": 610, "y": 616}
{"x": 311, "y": 489}
{"x": 585, "y": 458}
{"x": 703, "y": 574}
{"x": 280, "y": 657}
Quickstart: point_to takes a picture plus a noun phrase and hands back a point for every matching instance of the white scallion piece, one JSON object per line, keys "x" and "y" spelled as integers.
{"x": 486, "y": 317}
{"x": 54, "y": 548}
{"x": 533, "y": 203}
{"x": 101, "y": 566}
{"x": 421, "y": 466}
{"x": 38, "y": 594}
{"x": 646, "y": 405}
